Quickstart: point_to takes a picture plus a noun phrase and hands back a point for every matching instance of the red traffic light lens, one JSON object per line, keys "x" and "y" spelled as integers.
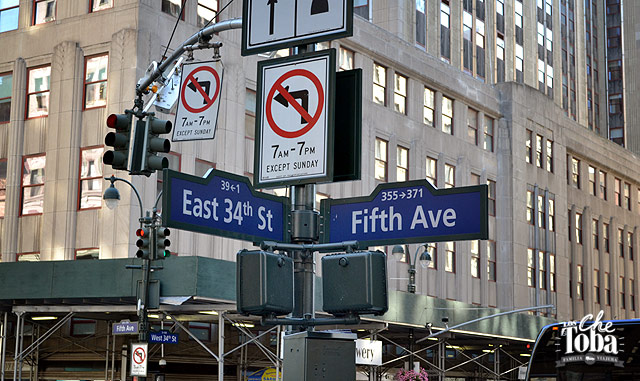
{"x": 112, "y": 120}
{"x": 140, "y": 233}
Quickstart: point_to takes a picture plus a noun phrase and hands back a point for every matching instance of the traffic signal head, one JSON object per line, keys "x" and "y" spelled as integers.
{"x": 162, "y": 242}
{"x": 118, "y": 139}
{"x": 143, "y": 242}
{"x": 156, "y": 144}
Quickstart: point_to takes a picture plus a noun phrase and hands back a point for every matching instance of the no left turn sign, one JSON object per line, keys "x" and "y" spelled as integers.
{"x": 139, "y": 359}
{"x": 199, "y": 101}
{"x": 294, "y": 124}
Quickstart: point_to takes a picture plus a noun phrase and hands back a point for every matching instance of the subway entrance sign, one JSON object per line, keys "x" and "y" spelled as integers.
{"x": 223, "y": 204}
{"x": 405, "y": 212}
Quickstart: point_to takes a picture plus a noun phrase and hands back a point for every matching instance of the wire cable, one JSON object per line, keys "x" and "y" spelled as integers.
{"x": 174, "y": 30}
{"x": 217, "y": 14}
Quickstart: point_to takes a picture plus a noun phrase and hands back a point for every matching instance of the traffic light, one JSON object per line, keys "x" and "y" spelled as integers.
{"x": 118, "y": 139}
{"x": 143, "y": 243}
{"x": 156, "y": 144}
{"x": 162, "y": 242}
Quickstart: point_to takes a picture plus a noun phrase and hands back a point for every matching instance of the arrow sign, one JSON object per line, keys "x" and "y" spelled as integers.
{"x": 303, "y": 95}
{"x": 272, "y": 6}
{"x": 405, "y": 212}
{"x": 205, "y": 92}
{"x": 223, "y": 204}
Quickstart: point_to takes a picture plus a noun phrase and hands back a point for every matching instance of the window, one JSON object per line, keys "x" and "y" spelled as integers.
{"x": 579, "y": 228}
{"x": 549, "y": 155}
{"x": 379, "y": 84}
{"x": 630, "y": 245}
{"x": 529, "y": 142}
{"x": 421, "y": 24}
{"x": 38, "y": 92}
{"x": 592, "y": 181}
{"x": 551, "y": 206}
{"x": 6, "y": 87}
{"x": 450, "y": 257}
{"x": 603, "y": 185}
{"x": 530, "y": 208}
{"x": 596, "y": 286}
{"x": 552, "y": 272}
{"x": 575, "y": 172}
{"x": 617, "y": 191}
{"x": 400, "y": 93}
{"x": 594, "y": 234}
{"x": 542, "y": 271}
{"x": 605, "y": 237}
{"x": 207, "y": 11}
{"x": 541, "y": 210}
{"x": 173, "y": 8}
{"x": 579, "y": 284}
{"x": 98, "y": 5}
{"x": 607, "y": 289}
{"x": 632, "y": 295}
{"x": 95, "y": 81}
{"x": 91, "y": 178}
{"x": 32, "y": 184}
{"x": 627, "y": 196}
{"x": 82, "y": 254}
{"x": 488, "y": 134}
{"x": 9, "y": 15}
{"x": 445, "y": 47}
{"x": 381, "y": 159}
{"x": 621, "y": 242}
{"x": 346, "y": 58}
{"x": 472, "y": 126}
{"x": 475, "y": 258}
{"x": 531, "y": 268}
{"x": 492, "y": 197}
{"x": 432, "y": 165}
{"x": 82, "y": 327}
{"x": 539, "y": 142}
{"x": 361, "y": 8}
{"x": 467, "y": 44}
{"x": 449, "y": 176}
{"x": 491, "y": 261}
{"x": 3, "y": 186}
{"x": 402, "y": 170}
{"x": 429, "y": 106}
{"x": 621, "y": 284}
{"x": 202, "y": 167}
{"x": 432, "y": 249}
{"x": 447, "y": 115}
{"x": 474, "y": 179}
{"x": 43, "y": 11}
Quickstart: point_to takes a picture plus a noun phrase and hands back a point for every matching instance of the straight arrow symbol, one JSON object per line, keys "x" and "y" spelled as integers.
{"x": 272, "y": 4}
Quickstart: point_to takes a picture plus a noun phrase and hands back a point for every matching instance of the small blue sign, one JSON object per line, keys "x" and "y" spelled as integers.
{"x": 405, "y": 212}
{"x": 164, "y": 337}
{"x": 124, "y": 328}
{"x": 223, "y": 204}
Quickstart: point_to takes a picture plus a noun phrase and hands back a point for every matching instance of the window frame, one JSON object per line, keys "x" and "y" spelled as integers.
{"x": 3, "y": 202}
{"x": 426, "y": 108}
{"x": 7, "y": 9}
{"x": 85, "y": 83}
{"x": 380, "y": 86}
{"x": 384, "y": 161}
{"x": 474, "y": 250}
{"x": 472, "y": 126}
{"x": 28, "y": 94}
{"x": 345, "y": 52}
{"x": 450, "y": 257}
{"x": 400, "y": 99}
{"x": 10, "y": 97}
{"x": 216, "y": 11}
{"x": 35, "y": 10}
{"x": 489, "y": 133}
{"x": 445, "y": 116}
{"x": 433, "y": 180}
{"x": 23, "y": 187}
{"x": 529, "y": 147}
{"x": 449, "y": 182}
{"x": 492, "y": 263}
{"x": 399, "y": 167}
{"x": 81, "y": 179}
{"x": 180, "y": 14}
{"x": 92, "y": 6}
{"x": 596, "y": 286}
{"x": 491, "y": 195}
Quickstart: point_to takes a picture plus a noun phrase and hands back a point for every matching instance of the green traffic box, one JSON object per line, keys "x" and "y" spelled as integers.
{"x": 264, "y": 283}
{"x": 355, "y": 283}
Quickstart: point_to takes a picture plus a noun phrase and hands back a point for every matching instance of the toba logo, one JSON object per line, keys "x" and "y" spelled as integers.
{"x": 589, "y": 341}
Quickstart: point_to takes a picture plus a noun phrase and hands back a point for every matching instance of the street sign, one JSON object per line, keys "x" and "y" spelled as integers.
{"x": 294, "y": 122}
{"x": 199, "y": 101}
{"x": 124, "y": 328}
{"x": 223, "y": 204}
{"x": 405, "y": 212}
{"x": 164, "y": 337}
{"x": 368, "y": 352}
{"x": 274, "y": 24}
{"x": 139, "y": 356}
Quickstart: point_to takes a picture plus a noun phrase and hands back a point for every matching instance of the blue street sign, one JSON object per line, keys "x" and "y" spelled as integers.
{"x": 124, "y": 328}
{"x": 163, "y": 337}
{"x": 223, "y": 204}
{"x": 405, "y": 212}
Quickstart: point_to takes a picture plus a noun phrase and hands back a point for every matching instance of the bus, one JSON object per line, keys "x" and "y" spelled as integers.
{"x": 586, "y": 350}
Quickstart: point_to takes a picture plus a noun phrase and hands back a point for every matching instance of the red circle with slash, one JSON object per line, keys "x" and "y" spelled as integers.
{"x": 141, "y": 356}
{"x": 191, "y": 78}
{"x": 311, "y": 120}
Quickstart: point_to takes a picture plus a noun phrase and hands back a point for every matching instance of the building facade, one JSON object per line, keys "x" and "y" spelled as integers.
{"x": 507, "y": 93}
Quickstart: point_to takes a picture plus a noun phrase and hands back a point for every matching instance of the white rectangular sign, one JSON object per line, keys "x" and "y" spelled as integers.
{"x": 274, "y": 24}
{"x": 199, "y": 101}
{"x": 139, "y": 357}
{"x": 294, "y": 125}
{"x": 368, "y": 352}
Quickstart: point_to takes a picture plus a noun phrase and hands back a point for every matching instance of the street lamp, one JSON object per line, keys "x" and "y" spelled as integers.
{"x": 425, "y": 258}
